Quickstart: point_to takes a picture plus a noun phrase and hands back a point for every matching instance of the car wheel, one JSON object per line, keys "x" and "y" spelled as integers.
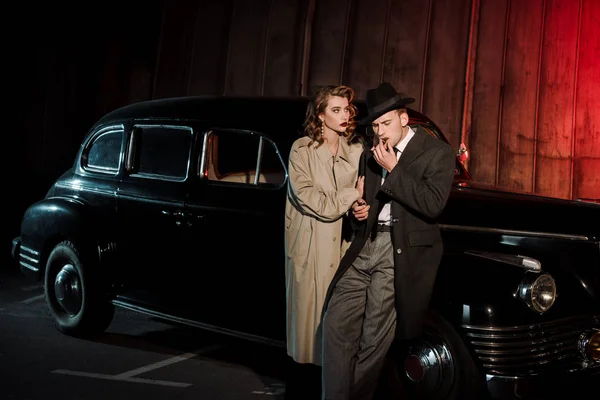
{"x": 437, "y": 366}
{"x": 75, "y": 294}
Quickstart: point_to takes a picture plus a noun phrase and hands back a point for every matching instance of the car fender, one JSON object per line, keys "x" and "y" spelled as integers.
{"x": 478, "y": 288}
{"x": 52, "y": 220}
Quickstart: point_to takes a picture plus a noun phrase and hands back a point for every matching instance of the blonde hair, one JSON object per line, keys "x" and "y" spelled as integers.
{"x": 317, "y": 106}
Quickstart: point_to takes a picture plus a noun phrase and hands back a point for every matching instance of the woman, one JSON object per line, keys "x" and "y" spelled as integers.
{"x": 323, "y": 185}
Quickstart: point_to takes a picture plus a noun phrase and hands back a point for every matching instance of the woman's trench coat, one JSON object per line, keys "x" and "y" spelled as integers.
{"x": 321, "y": 191}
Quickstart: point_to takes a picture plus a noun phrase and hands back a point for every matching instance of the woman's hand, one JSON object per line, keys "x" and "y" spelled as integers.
{"x": 360, "y": 186}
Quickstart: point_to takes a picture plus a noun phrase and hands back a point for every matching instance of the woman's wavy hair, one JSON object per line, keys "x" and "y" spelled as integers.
{"x": 317, "y": 105}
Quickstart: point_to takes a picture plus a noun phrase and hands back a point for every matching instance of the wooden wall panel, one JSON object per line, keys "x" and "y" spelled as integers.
{"x": 175, "y": 48}
{"x": 487, "y": 91}
{"x": 586, "y": 173}
{"x": 209, "y": 51}
{"x": 142, "y": 45}
{"x": 32, "y": 125}
{"x": 519, "y": 107}
{"x": 552, "y": 173}
{"x": 367, "y": 36}
{"x": 113, "y": 76}
{"x": 533, "y": 123}
{"x": 247, "y": 39}
{"x": 445, "y": 65}
{"x": 328, "y": 43}
{"x": 406, "y": 46}
{"x": 60, "y": 105}
{"x": 285, "y": 41}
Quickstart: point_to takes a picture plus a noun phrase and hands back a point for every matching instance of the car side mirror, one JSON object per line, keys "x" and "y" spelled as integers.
{"x": 463, "y": 153}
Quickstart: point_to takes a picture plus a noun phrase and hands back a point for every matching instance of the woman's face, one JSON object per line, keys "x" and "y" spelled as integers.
{"x": 336, "y": 114}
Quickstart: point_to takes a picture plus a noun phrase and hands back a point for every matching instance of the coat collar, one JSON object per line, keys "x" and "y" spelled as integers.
{"x": 343, "y": 151}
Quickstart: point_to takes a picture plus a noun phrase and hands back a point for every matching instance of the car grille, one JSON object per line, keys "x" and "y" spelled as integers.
{"x": 531, "y": 349}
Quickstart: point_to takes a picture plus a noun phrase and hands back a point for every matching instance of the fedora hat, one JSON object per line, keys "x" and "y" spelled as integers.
{"x": 382, "y": 99}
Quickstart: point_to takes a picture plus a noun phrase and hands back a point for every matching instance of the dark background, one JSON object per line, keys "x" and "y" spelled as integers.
{"x": 516, "y": 81}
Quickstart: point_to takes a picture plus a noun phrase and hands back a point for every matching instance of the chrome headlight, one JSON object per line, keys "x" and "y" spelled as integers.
{"x": 540, "y": 294}
{"x": 589, "y": 345}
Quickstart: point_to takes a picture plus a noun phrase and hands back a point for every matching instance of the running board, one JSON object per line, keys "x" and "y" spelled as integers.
{"x": 189, "y": 322}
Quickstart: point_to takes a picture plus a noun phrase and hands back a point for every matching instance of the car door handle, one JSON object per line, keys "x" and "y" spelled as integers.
{"x": 172, "y": 213}
{"x": 193, "y": 216}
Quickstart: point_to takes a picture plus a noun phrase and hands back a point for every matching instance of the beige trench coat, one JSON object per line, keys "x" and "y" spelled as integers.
{"x": 321, "y": 190}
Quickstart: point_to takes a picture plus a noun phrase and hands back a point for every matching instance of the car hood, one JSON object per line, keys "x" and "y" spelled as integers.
{"x": 478, "y": 204}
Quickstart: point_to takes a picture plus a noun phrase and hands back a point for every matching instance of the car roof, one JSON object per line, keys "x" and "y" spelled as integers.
{"x": 231, "y": 108}
{"x": 209, "y": 107}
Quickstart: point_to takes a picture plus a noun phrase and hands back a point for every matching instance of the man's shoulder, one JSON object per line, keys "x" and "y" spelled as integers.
{"x": 433, "y": 142}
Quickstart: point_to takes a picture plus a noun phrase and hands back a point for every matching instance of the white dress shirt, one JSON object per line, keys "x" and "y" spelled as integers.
{"x": 385, "y": 214}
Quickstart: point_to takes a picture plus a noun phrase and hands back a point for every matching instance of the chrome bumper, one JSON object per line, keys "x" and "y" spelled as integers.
{"x": 519, "y": 388}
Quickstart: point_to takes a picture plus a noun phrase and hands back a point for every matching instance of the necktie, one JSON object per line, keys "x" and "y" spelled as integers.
{"x": 383, "y": 175}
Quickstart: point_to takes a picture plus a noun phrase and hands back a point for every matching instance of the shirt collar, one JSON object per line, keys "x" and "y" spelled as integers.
{"x": 402, "y": 144}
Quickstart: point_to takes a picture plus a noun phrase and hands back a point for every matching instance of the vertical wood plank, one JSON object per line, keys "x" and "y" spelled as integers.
{"x": 113, "y": 75}
{"x": 445, "y": 70}
{"x": 487, "y": 90}
{"x": 211, "y": 36}
{"x": 57, "y": 131}
{"x": 245, "y": 59}
{"x": 520, "y": 97}
{"x": 175, "y": 49}
{"x": 142, "y": 47}
{"x": 467, "y": 109}
{"x": 557, "y": 83}
{"x": 34, "y": 121}
{"x": 366, "y": 43}
{"x": 405, "y": 50}
{"x": 328, "y": 43}
{"x": 586, "y": 171}
{"x": 284, "y": 47}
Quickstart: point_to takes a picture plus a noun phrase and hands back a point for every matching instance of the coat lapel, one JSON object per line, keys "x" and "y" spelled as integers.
{"x": 413, "y": 149}
{"x": 373, "y": 179}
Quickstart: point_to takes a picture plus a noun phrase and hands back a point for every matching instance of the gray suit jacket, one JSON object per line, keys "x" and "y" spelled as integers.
{"x": 418, "y": 186}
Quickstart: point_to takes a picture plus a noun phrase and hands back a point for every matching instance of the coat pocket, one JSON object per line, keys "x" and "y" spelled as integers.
{"x": 426, "y": 238}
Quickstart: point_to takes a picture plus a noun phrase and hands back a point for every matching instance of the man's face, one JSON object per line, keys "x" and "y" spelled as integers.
{"x": 337, "y": 114}
{"x": 389, "y": 127}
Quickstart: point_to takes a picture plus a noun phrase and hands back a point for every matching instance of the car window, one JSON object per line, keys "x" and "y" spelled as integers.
{"x": 103, "y": 153}
{"x": 233, "y": 156}
{"x": 160, "y": 151}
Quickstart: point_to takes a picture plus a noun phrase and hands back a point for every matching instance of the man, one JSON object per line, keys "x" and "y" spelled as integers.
{"x": 390, "y": 267}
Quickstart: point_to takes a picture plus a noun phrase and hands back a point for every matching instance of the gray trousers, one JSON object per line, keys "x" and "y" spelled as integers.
{"x": 359, "y": 324}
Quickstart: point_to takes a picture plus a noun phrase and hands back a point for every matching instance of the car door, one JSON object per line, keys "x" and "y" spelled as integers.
{"x": 236, "y": 218}
{"x": 150, "y": 206}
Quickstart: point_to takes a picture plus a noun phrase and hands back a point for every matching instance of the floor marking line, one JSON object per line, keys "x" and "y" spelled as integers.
{"x": 31, "y": 287}
{"x": 166, "y": 362}
{"x": 32, "y": 299}
{"x": 122, "y": 379}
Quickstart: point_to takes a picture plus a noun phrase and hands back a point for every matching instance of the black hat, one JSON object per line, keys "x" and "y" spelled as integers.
{"x": 382, "y": 99}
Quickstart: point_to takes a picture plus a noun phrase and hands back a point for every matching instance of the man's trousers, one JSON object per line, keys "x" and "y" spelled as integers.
{"x": 359, "y": 323}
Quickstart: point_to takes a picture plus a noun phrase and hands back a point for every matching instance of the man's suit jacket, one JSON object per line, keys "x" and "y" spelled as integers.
{"x": 418, "y": 186}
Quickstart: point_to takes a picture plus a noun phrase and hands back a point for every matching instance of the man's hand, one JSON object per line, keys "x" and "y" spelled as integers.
{"x": 384, "y": 155}
{"x": 360, "y": 210}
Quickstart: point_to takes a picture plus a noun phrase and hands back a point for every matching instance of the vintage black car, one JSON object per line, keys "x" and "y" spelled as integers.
{"x": 174, "y": 208}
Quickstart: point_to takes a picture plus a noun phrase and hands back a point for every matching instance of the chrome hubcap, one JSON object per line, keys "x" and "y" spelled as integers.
{"x": 430, "y": 367}
{"x": 67, "y": 289}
